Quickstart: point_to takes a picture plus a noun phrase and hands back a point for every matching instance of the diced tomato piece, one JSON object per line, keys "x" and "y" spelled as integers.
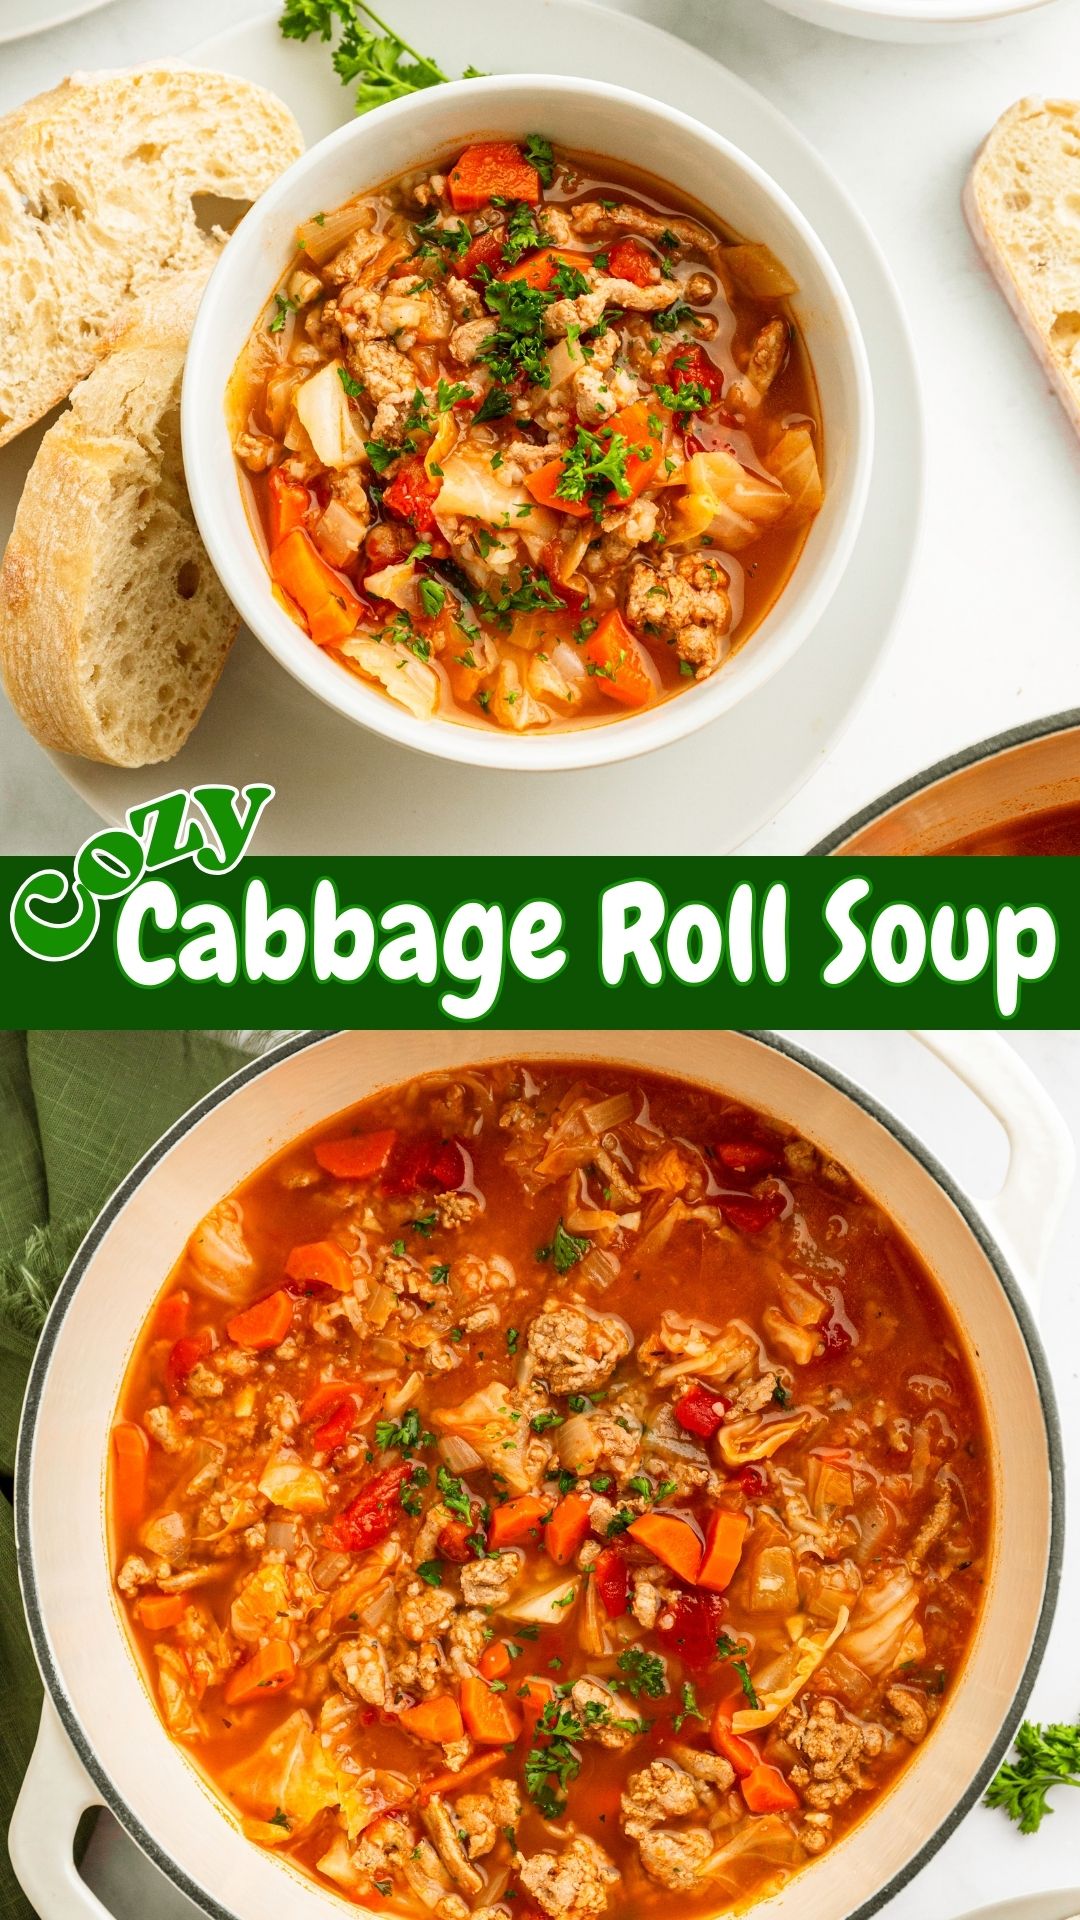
{"x": 486, "y": 251}
{"x": 456, "y": 1541}
{"x": 701, "y": 1411}
{"x": 746, "y": 1157}
{"x": 753, "y": 1482}
{"x": 629, "y": 260}
{"x": 334, "y": 1432}
{"x": 691, "y": 366}
{"x": 358, "y": 1156}
{"x": 412, "y": 494}
{"x": 689, "y": 1627}
{"x": 369, "y": 1517}
{"x": 837, "y": 1340}
{"x": 496, "y": 169}
{"x": 612, "y": 1577}
{"x": 185, "y": 1356}
{"x": 753, "y": 1214}
{"x": 424, "y": 1162}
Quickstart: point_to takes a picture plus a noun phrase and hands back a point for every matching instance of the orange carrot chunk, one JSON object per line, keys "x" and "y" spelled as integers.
{"x": 449, "y": 1782}
{"x": 131, "y": 1475}
{"x": 566, "y": 1529}
{"x": 159, "y": 1611}
{"x": 438, "y": 1720}
{"x": 539, "y": 269}
{"x": 496, "y": 169}
{"x": 358, "y": 1156}
{"x": 269, "y": 1671}
{"x": 534, "y": 1694}
{"x": 766, "y": 1791}
{"x": 544, "y": 484}
{"x": 488, "y": 1716}
{"x": 671, "y": 1540}
{"x": 742, "y": 1754}
{"x": 495, "y": 1661}
{"x": 328, "y": 1396}
{"x": 289, "y": 503}
{"x": 324, "y": 596}
{"x": 264, "y": 1325}
{"x": 647, "y": 447}
{"x": 173, "y": 1316}
{"x": 322, "y": 1261}
{"x": 724, "y": 1538}
{"x": 615, "y": 659}
{"x": 517, "y": 1520}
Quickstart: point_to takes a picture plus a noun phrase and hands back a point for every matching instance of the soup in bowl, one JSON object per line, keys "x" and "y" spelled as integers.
{"x": 549, "y": 1485}
{"x": 525, "y": 441}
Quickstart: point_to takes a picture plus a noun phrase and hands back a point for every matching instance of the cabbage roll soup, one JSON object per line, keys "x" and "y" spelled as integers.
{"x": 549, "y": 1491}
{"x": 528, "y": 441}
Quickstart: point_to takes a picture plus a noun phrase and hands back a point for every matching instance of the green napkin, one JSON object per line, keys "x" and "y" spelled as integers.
{"x": 77, "y": 1110}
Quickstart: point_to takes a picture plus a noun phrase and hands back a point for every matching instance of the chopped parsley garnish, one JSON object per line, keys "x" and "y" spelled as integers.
{"x": 280, "y": 1819}
{"x": 495, "y": 405}
{"x": 522, "y": 234}
{"x": 673, "y": 317}
{"x": 692, "y": 397}
{"x": 531, "y": 594}
{"x": 404, "y": 1437}
{"x": 746, "y": 1684}
{"x": 550, "y": 1769}
{"x": 781, "y": 1395}
{"x": 538, "y": 153}
{"x": 385, "y": 65}
{"x": 447, "y": 396}
{"x": 619, "y": 1522}
{"x": 427, "y": 1223}
{"x": 690, "y": 1709}
{"x": 431, "y": 1571}
{"x": 512, "y": 1338}
{"x": 592, "y": 469}
{"x": 518, "y": 345}
{"x": 541, "y": 1422}
{"x": 433, "y": 600}
{"x": 354, "y": 388}
{"x": 284, "y": 307}
{"x": 565, "y": 1249}
{"x": 381, "y": 455}
{"x": 438, "y": 1275}
{"x": 643, "y": 1673}
{"x": 453, "y": 1494}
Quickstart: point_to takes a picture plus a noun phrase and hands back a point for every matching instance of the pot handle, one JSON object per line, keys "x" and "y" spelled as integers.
{"x": 1025, "y": 1215}
{"x": 54, "y": 1795}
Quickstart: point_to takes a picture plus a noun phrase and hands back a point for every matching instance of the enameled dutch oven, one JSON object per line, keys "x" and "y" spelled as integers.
{"x": 101, "y": 1739}
{"x": 1011, "y": 778}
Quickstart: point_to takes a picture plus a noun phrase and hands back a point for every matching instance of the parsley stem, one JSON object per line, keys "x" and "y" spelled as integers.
{"x": 392, "y": 34}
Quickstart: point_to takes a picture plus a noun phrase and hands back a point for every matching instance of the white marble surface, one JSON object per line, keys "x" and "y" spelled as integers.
{"x": 989, "y": 634}
{"x": 986, "y": 1859}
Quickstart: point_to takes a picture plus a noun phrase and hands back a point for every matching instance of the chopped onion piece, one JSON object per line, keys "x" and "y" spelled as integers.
{"x": 324, "y": 411}
{"x": 549, "y": 1606}
{"x": 458, "y": 1454}
{"x": 326, "y": 234}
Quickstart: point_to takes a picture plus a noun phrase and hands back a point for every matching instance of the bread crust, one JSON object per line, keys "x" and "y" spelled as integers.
{"x": 1033, "y": 255}
{"x": 113, "y": 627}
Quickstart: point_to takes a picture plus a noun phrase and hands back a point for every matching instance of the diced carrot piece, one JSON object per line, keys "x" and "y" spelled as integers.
{"x": 496, "y": 169}
{"x": 289, "y": 503}
{"x": 615, "y": 657}
{"x": 264, "y": 1325}
{"x": 173, "y": 1316}
{"x": 671, "y": 1540}
{"x": 322, "y": 1261}
{"x": 334, "y": 1432}
{"x": 328, "y": 1396}
{"x": 566, "y": 1529}
{"x": 437, "y": 1719}
{"x": 449, "y": 1782}
{"x": 742, "y": 1753}
{"x": 539, "y": 269}
{"x": 131, "y": 1471}
{"x": 535, "y": 1694}
{"x": 647, "y": 447}
{"x": 517, "y": 1520}
{"x": 629, "y": 260}
{"x": 766, "y": 1791}
{"x": 159, "y": 1611}
{"x": 495, "y": 1661}
{"x": 268, "y": 1671}
{"x": 325, "y": 597}
{"x": 724, "y": 1538}
{"x": 543, "y": 485}
{"x": 488, "y": 1716}
{"x": 358, "y": 1156}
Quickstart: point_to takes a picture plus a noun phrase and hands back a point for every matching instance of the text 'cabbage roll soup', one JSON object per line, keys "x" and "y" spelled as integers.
{"x": 546, "y": 1492}
{"x": 530, "y": 440}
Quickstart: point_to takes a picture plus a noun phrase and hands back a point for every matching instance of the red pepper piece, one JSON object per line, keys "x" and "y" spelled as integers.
{"x": 746, "y": 1157}
{"x": 629, "y": 260}
{"x": 701, "y": 1411}
{"x": 423, "y": 1162}
{"x": 185, "y": 1356}
{"x": 412, "y": 494}
{"x": 691, "y": 366}
{"x": 612, "y": 1576}
{"x": 334, "y": 1432}
{"x": 486, "y": 251}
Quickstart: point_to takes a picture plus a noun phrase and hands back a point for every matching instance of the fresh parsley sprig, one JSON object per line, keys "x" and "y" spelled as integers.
{"x": 385, "y": 65}
{"x": 1046, "y": 1757}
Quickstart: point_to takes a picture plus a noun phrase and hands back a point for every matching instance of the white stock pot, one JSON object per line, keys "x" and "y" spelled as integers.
{"x": 101, "y": 1741}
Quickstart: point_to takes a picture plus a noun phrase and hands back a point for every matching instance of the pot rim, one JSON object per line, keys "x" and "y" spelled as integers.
{"x": 861, "y": 1097}
{"x": 958, "y": 762}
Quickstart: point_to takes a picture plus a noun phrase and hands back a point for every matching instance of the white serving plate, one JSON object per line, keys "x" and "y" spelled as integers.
{"x": 914, "y": 20}
{"x": 340, "y": 793}
{"x": 20, "y": 18}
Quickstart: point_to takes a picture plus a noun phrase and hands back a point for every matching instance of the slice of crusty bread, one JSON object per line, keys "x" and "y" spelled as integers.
{"x": 103, "y": 183}
{"x": 1022, "y": 201}
{"x": 113, "y": 625}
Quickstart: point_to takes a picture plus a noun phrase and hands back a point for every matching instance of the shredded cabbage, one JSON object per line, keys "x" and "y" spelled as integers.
{"x": 322, "y": 406}
{"x": 806, "y": 1657}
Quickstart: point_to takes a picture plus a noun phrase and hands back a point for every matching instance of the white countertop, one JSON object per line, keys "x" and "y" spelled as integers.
{"x": 986, "y": 1859}
{"x": 989, "y": 636}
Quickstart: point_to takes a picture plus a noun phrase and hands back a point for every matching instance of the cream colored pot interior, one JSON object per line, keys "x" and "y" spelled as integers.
{"x": 1010, "y": 784}
{"x": 96, "y": 1680}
